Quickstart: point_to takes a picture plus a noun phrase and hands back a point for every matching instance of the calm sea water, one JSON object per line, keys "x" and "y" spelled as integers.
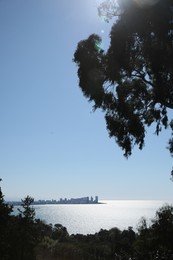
{"x": 89, "y": 219}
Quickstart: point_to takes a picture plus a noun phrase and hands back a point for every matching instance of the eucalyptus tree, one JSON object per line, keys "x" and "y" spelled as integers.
{"x": 132, "y": 81}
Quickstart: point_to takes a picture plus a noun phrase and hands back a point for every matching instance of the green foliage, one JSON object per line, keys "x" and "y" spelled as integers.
{"x": 132, "y": 81}
{"x": 155, "y": 241}
{"x": 5, "y": 218}
{"x": 27, "y": 212}
{"x": 163, "y": 227}
{"x": 19, "y": 234}
{"x": 27, "y": 233}
{"x": 60, "y": 233}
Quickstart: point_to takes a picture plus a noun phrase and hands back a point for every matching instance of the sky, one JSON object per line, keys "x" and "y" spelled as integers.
{"x": 52, "y": 145}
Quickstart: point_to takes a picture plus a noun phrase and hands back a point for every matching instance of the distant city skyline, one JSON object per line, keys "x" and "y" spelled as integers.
{"x": 52, "y": 144}
{"x": 82, "y": 200}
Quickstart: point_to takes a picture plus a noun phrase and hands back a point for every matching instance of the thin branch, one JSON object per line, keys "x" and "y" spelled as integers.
{"x": 139, "y": 75}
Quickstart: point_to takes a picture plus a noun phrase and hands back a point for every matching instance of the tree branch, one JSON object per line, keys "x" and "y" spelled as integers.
{"x": 139, "y": 75}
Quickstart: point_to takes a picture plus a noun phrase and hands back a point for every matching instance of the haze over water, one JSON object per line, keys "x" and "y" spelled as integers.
{"x": 89, "y": 219}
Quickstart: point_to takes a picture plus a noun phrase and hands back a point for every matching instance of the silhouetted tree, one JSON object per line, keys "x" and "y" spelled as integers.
{"x": 162, "y": 227}
{"x": 155, "y": 241}
{"x": 59, "y": 233}
{"x": 5, "y": 217}
{"x": 27, "y": 232}
{"x": 131, "y": 82}
{"x": 27, "y": 212}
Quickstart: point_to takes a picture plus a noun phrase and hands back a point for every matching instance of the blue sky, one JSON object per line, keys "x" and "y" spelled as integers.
{"x": 51, "y": 143}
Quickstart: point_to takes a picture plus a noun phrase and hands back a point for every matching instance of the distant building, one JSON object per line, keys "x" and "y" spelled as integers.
{"x": 96, "y": 199}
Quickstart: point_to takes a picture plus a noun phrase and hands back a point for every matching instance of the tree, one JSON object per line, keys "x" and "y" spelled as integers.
{"x": 59, "y": 233}
{"x": 5, "y": 218}
{"x": 27, "y": 230}
{"x": 131, "y": 82}
{"x": 28, "y": 212}
{"x": 155, "y": 241}
{"x": 163, "y": 227}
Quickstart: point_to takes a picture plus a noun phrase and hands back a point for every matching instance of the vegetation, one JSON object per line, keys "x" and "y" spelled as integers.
{"x": 22, "y": 237}
{"x": 131, "y": 82}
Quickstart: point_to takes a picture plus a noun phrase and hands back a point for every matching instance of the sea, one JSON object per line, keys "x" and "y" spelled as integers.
{"x": 91, "y": 218}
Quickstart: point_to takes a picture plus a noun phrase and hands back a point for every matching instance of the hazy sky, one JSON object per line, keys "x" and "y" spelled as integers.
{"x": 51, "y": 143}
